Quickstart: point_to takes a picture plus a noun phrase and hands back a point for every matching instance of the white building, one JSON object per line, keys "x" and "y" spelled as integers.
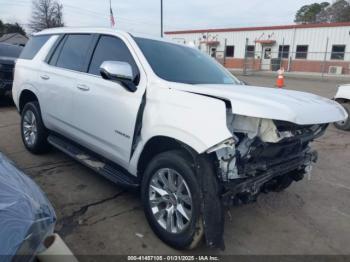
{"x": 303, "y": 47}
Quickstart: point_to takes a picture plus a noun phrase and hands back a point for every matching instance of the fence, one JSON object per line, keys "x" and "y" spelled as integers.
{"x": 303, "y": 61}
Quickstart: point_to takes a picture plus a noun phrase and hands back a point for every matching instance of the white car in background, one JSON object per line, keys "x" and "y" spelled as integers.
{"x": 169, "y": 119}
{"x": 343, "y": 97}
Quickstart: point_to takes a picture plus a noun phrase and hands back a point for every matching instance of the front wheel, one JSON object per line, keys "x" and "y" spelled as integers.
{"x": 170, "y": 196}
{"x": 344, "y": 125}
{"x": 33, "y": 131}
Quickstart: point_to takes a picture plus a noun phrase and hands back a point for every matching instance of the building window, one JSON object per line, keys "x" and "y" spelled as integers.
{"x": 301, "y": 52}
{"x": 250, "y": 51}
{"x": 230, "y": 51}
{"x": 283, "y": 51}
{"x": 338, "y": 52}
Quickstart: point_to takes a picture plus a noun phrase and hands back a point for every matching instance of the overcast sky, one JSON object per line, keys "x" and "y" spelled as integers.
{"x": 143, "y": 16}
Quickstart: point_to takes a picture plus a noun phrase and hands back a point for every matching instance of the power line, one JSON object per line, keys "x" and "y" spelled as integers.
{"x": 91, "y": 12}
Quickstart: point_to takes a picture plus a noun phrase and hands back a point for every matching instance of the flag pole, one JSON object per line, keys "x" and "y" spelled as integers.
{"x": 161, "y": 18}
{"x": 112, "y": 21}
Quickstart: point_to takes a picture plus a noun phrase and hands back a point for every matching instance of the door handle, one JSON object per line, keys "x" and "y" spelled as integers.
{"x": 45, "y": 77}
{"x": 83, "y": 87}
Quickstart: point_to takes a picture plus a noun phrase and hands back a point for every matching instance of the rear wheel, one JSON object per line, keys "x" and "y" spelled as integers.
{"x": 33, "y": 131}
{"x": 170, "y": 195}
{"x": 344, "y": 125}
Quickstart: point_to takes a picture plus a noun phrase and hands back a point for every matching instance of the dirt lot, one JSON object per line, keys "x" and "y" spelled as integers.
{"x": 97, "y": 217}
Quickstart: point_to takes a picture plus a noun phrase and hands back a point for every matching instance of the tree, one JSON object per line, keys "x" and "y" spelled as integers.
{"x": 46, "y": 14}
{"x": 339, "y": 11}
{"x": 308, "y": 13}
{"x": 8, "y": 28}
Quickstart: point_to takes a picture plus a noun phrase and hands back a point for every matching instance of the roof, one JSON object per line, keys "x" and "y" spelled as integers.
{"x": 63, "y": 30}
{"x": 95, "y": 30}
{"x": 278, "y": 27}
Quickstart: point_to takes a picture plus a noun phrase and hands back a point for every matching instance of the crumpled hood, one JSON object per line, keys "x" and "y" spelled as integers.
{"x": 271, "y": 103}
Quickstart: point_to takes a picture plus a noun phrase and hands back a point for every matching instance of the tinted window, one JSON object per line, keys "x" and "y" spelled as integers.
{"x": 74, "y": 52}
{"x": 338, "y": 52}
{"x": 301, "y": 52}
{"x": 182, "y": 64}
{"x": 33, "y": 46}
{"x": 250, "y": 50}
{"x": 283, "y": 51}
{"x": 230, "y": 51}
{"x": 10, "y": 50}
{"x": 111, "y": 48}
{"x": 56, "y": 52}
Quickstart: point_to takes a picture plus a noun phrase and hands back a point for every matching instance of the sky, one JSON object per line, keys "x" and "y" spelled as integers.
{"x": 143, "y": 16}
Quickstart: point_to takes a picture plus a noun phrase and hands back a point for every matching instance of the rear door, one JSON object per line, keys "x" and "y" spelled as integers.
{"x": 68, "y": 60}
{"x": 104, "y": 111}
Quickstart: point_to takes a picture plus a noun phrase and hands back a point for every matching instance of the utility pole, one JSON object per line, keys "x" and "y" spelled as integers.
{"x": 161, "y": 18}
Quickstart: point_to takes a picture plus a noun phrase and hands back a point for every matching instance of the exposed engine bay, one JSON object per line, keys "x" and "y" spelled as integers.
{"x": 263, "y": 155}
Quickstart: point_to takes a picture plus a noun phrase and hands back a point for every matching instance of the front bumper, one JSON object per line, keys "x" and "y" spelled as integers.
{"x": 246, "y": 189}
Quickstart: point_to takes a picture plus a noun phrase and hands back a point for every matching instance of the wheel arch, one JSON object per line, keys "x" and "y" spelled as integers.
{"x": 159, "y": 144}
{"x": 25, "y": 97}
{"x": 342, "y": 100}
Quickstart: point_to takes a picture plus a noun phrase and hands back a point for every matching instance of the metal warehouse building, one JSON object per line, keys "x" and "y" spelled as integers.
{"x": 320, "y": 48}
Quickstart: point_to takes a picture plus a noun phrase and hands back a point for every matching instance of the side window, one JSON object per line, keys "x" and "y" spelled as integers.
{"x": 338, "y": 52}
{"x": 74, "y": 52}
{"x": 33, "y": 46}
{"x": 52, "y": 58}
{"x": 110, "y": 48}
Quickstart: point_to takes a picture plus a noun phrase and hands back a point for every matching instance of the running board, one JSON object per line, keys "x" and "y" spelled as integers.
{"x": 105, "y": 168}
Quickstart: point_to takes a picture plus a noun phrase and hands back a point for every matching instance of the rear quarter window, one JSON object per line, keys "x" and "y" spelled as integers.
{"x": 33, "y": 46}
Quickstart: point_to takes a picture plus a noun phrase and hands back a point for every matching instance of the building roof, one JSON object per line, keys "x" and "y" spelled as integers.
{"x": 14, "y": 38}
{"x": 278, "y": 27}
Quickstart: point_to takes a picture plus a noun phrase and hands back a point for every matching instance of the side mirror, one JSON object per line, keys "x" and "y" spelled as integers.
{"x": 118, "y": 71}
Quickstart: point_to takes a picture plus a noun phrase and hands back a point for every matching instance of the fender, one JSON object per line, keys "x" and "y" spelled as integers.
{"x": 16, "y": 93}
{"x": 194, "y": 120}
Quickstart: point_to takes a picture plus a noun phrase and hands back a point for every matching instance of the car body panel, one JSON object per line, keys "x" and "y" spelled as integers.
{"x": 293, "y": 106}
{"x": 343, "y": 92}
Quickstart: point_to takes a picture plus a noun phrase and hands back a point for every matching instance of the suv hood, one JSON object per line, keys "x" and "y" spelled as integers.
{"x": 293, "y": 106}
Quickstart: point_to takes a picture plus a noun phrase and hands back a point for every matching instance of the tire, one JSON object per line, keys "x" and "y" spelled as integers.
{"x": 34, "y": 134}
{"x": 186, "y": 234}
{"x": 344, "y": 125}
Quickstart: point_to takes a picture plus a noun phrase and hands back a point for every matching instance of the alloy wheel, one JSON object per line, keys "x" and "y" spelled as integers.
{"x": 170, "y": 200}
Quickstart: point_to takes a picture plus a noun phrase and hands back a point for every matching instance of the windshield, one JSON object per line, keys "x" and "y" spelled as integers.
{"x": 183, "y": 64}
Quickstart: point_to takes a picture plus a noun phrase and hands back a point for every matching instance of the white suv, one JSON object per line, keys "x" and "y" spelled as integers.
{"x": 166, "y": 118}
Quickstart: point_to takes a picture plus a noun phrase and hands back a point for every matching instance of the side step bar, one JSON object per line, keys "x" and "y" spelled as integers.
{"x": 105, "y": 168}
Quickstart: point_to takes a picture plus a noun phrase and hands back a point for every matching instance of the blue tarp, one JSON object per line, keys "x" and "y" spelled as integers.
{"x": 26, "y": 215}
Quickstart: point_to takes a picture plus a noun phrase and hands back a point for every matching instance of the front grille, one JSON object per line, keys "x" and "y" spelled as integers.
{"x": 6, "y": 71}
{"x": 6, "y": 68}
{"x": 5, "y": 75}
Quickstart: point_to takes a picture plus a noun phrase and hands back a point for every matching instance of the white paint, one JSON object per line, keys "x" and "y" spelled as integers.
{"x": 179, "y": 111}
{"x": 343, "y": 92}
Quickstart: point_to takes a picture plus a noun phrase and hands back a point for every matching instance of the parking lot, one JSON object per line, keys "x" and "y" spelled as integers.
{"x": 98, "y": 217}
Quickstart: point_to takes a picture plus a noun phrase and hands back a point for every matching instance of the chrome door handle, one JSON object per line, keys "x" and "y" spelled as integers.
{"x": 45, "y": 77}
{"x": 83, "y": 87}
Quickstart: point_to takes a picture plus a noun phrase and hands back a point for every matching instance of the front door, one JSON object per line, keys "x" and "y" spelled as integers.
{"x": 104, "y": 111}
{"x": 266, "y": 58}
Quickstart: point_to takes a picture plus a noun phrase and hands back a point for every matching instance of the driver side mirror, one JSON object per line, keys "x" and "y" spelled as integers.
{"x": 120, "y": 72}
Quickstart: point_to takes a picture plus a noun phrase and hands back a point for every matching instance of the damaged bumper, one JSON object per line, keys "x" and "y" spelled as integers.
{"x": 273, "y": 177}
{"x": 263, "y": 156}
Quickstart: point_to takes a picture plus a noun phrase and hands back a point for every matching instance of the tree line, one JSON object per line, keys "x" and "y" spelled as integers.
{"x": 49, "y": 13}
{"x": 324, "y": 12}
{"x": 45, "y": 14}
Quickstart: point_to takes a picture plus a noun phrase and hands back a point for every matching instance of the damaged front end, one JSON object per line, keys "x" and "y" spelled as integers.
{"x": 263, "y": 155}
